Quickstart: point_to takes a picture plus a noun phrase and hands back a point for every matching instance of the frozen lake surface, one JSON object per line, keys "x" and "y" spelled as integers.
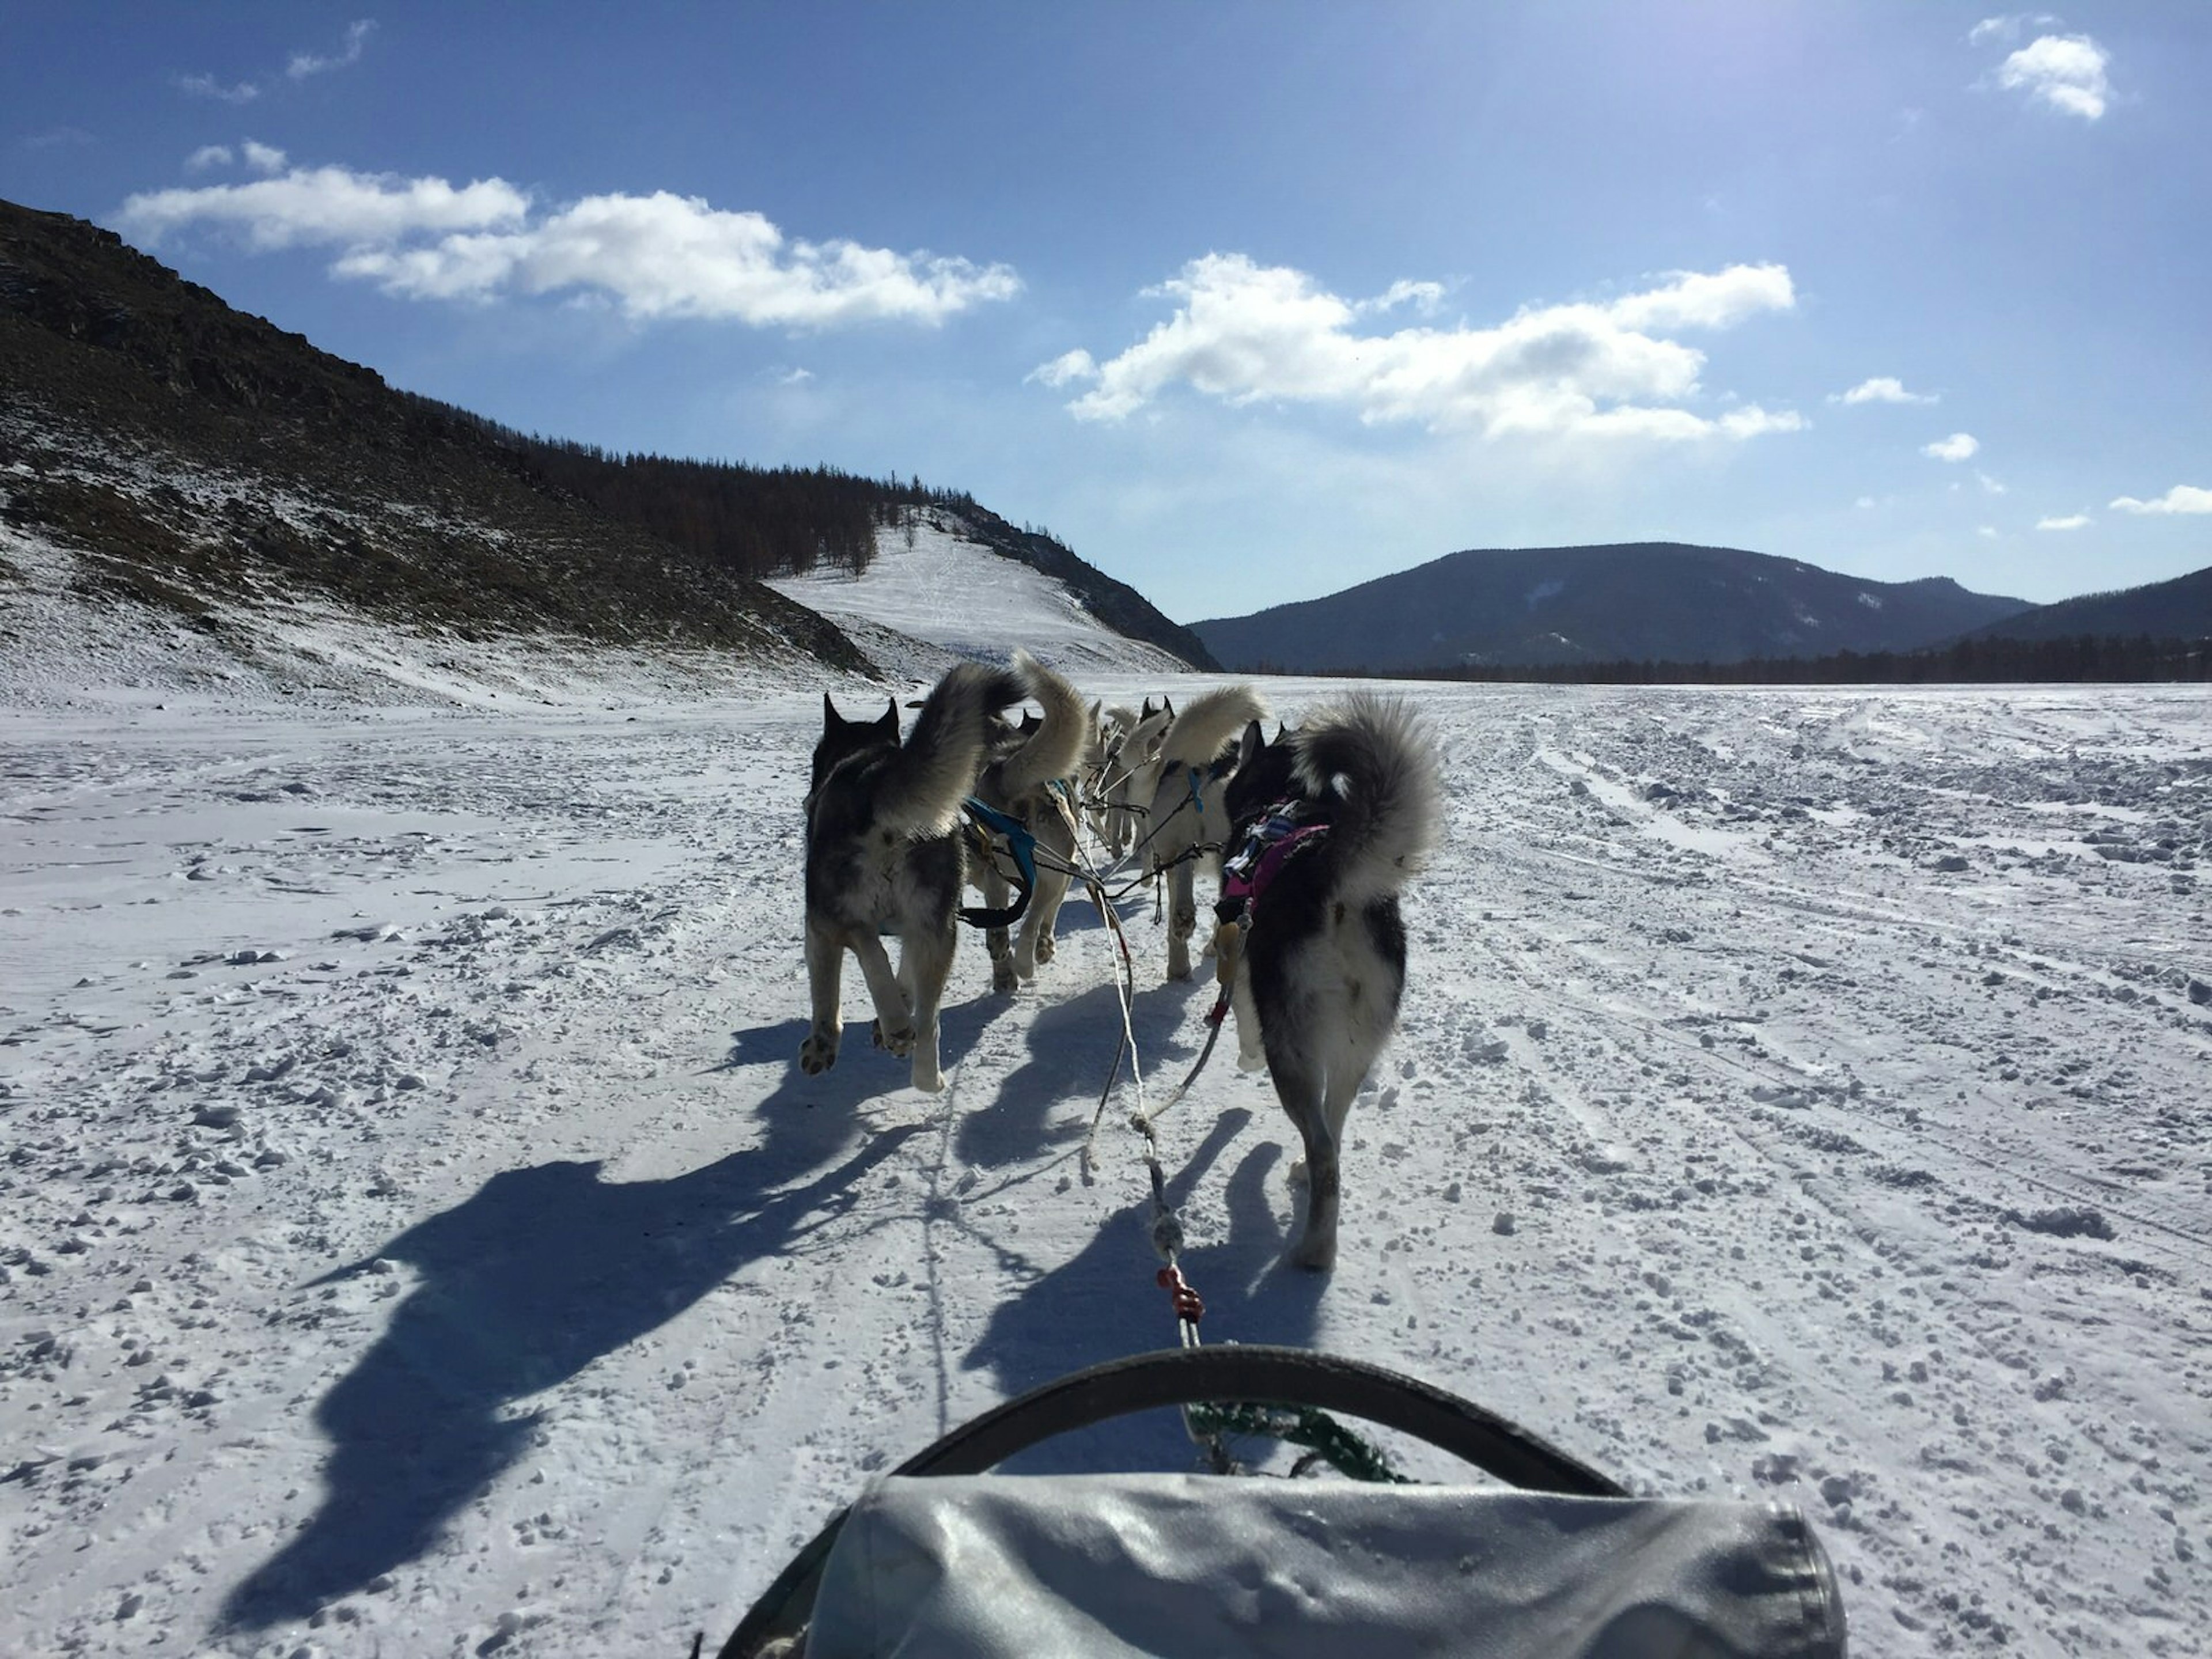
{"x": 416, "y": 1238}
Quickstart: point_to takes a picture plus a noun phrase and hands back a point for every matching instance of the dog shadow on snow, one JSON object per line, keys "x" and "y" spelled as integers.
{"x": 536, "y": 1275}
{"x": 1105, "y": 1303}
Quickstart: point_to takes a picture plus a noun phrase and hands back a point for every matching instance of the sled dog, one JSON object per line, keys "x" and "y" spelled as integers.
{"x": 1185, "y": 823}
{"x": 1135, "y": 771}
{"x": 1029, "y": 774}
{"x": 883, "y": 856}
{"x": 1109, "y": 730}
{"x": 1330, "y": 822}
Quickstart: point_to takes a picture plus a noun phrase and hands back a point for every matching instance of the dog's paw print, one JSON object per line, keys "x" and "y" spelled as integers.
{"x": 818, "y": 1053}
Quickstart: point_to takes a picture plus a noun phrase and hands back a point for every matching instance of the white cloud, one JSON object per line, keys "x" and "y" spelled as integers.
{"x": 1246, "y": 333}
{"x": 1988, "y": 530}
{"x": 1424, "y": 297}
{"x": 1069, "y": 366}
{"x": 2065, "y": 72}
{"x": 206, "y": 86}
{"x": 1990, "y": 486}
{"x": 654, "y": 256}
{"x": 2182, "y": 498}
{"x": 794, "y": 377}
{"x": 208, "y": 156}
{"x": 1883, "y": 389}
{"x": 323, "y": 205}
{"x": 2071, "y": 521}
{"x": 1865, "y": 501}
{"x": 305, "y": 64}
{"x": 1958, "y": 447}
{"x": 263, "y": 158}
{"x": 2007, "y": 27}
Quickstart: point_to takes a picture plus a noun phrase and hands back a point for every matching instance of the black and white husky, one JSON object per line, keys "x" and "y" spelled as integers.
{"x": 883, "y": 856}
{"x": 1330, "y": 822}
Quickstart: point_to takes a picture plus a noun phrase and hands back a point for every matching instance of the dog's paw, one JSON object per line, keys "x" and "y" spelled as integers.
{"x": 1297, "y": 1175}
{"x": 818, "y": 1053}
{"x": 1003, "y": 976}
{"x": 1045, "y": 947}
{"x": 927, "y": 1079}
{"x": 1314, "y": 1255}
{"x": 899, "y": 1040}
{"x": 1254, "y": 1062}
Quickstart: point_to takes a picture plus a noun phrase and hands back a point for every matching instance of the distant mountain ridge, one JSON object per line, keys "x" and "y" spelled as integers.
{"x": 1640, "y": 601}
{"x": 2179, "y": 609}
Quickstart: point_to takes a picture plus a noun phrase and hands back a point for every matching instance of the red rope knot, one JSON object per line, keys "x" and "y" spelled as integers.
{"x": 1188, "y": 1305}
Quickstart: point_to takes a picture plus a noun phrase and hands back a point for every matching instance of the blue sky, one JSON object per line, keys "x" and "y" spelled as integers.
{"x": 1246, "y": 302}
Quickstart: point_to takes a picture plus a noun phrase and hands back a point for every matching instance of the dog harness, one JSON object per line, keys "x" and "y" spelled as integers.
{"x": 982, "y": 823}
{"x": 1278, "y": 835}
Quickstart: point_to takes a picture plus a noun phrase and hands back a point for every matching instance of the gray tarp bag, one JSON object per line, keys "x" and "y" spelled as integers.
{"x": 941, "y": 1558}
{"x": 1167, "y": 1565}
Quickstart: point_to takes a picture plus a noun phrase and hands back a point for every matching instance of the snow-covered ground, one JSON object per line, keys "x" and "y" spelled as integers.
{"x": 416, "y": 1236}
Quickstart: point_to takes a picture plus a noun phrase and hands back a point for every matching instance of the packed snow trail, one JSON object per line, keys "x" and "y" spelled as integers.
{"x": 417, "y": 1235}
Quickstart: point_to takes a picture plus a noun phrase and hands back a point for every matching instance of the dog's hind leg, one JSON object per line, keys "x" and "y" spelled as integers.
{"x": 1250, "y": 1056}
{"x": 894, "y": 1022}
{"x": 1182, "y": 918}
{"x": 825, "y": 968}
{"x": 1036, "y": 944}
{"x": 924, "y": 965}
{"x": 999, "y": 941}
{"x": 1299, "y": 1086}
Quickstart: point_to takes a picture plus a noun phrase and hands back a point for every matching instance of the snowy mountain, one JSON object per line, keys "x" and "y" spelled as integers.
{"x": 1656, "y": 601}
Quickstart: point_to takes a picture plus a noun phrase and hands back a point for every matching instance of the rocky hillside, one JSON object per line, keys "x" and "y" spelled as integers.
{"x": 1644, "y": 601}
{"x": 205, "y": 463}
{"x": 173, "y": 470}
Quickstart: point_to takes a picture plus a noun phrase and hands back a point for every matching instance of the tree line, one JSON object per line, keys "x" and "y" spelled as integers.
{"x": 752, "y": 520}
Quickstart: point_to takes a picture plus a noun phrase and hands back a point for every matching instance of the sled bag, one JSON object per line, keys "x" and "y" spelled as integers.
{"x": 1170, "y": 1565}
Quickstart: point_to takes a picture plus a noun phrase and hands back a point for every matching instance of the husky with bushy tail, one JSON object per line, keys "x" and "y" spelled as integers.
{"x": 1030, "y": 776}
{"x": 1185, "y": 825}
{"x": 883, "y": 856}
{"x": 1331, "y": 822}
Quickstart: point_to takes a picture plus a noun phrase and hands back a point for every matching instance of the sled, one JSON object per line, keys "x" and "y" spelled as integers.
{"x": 941, "y": 1558}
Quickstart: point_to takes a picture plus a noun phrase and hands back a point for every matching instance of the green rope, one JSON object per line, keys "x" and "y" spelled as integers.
{"x": 1300, "y": 1425}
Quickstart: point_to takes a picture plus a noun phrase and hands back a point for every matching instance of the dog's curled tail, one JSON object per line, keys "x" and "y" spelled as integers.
{"x": 922, "y": 789}
{"x": 1375, "y": 759}
{"x": 1209, "y": 724}
{"x": 1056, "y": 747}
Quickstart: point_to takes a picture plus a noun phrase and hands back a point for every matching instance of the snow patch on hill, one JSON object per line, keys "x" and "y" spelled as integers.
{"x": 936, "y": 595}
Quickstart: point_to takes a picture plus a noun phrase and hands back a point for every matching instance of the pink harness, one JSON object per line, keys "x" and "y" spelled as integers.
{"x": 1245, "y": 878}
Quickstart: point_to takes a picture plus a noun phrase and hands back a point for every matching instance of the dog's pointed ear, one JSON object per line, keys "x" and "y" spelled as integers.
{"x": 831, "y": 719}
{"x": 1167, "y": 707}
{"x": 1149, "y": 710}
{"x": 1254, "y": 742}
{"x": 890, "y": 721}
